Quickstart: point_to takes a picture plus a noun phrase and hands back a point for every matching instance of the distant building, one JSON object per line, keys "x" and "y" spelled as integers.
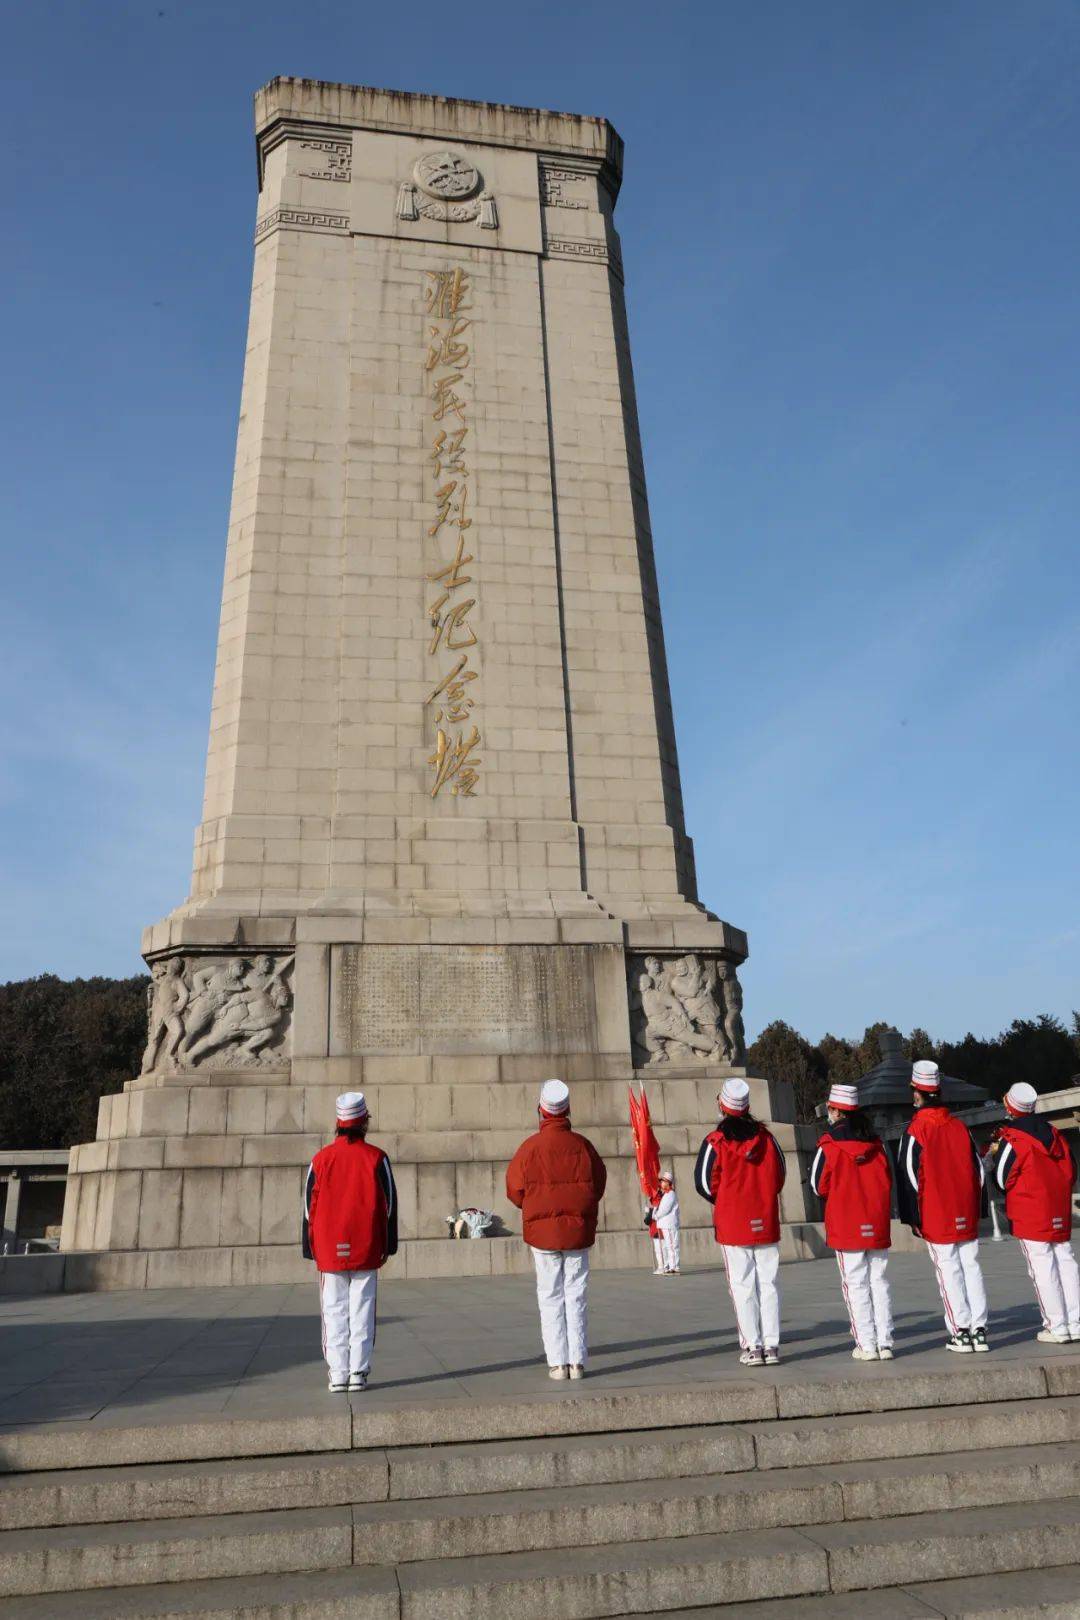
{"x": 32, "y": 1186}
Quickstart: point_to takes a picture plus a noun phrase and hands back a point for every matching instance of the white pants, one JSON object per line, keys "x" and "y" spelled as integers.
{"x": 866, "y": 1295}
{"x": 347, "y": 1303}
{"x": 1053, "y": 1270}
{"x": 960, "y": 1282}
{"x": 751, "y": 1277}
{"x": 562, "y": 1282}
{"x": 666, "y": 1248}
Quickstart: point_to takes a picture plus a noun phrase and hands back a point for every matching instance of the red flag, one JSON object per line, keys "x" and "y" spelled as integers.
{"x": 646, "y": 1147}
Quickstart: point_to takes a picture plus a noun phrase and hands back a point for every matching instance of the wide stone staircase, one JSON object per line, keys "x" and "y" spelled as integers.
{"x": 875, "y": 1494}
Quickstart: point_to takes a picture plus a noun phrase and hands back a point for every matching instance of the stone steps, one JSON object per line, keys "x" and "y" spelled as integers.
{"x": 69, "y": 1557}
{"x": 835, "y": 1570}
{"x": 424, "y": 1473}
{"x": 558, "y": 1506}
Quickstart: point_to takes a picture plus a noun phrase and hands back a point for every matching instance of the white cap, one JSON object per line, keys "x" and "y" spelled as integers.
{"x": 925, "y": 1076}
{"x": 350, "y": 1107}
{"x": 667, "y": 1175}
{"x": 844, "y": 1097}
{"x": 1021, "y": 1098}
{"x": 555, "y": 1097}
{"x": 735, "y": 1097}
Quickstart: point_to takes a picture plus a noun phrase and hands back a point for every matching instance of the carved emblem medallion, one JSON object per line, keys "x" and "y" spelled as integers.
{"x": 446, "y": 176}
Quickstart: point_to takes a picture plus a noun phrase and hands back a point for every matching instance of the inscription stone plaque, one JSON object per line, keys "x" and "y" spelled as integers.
{"x": 461, "y": 998}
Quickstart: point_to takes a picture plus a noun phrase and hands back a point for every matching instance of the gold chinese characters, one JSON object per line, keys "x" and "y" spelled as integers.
{"x": 446, "y": 365}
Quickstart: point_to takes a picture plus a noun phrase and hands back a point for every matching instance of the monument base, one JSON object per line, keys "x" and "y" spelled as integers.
{"x": 197, "y": 1178}
{"x": 449, "y": 1026}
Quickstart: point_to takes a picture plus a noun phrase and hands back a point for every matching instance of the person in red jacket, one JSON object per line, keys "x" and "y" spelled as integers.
{"x": 740, "y": 1171}
{"x": 349, "y": 1230}
{"x": 939, "y": 1194}
{"x": 850, "y": 1174}
{"x": 1034, "y": 1169}
{"x": 557, "y": 1179}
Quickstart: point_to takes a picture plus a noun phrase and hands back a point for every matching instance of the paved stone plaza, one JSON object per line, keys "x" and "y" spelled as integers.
{"x": 173, "y": 1354}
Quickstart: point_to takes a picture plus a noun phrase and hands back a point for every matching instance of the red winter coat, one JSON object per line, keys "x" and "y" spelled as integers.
{"x": 557, "y": 1179}
{"x": 1035, "y": 1171}
{"x": 350, "y": 1207}
{"x": 742, "y": 1180}
{"x": 852, "y": 1179}
{"x": 939, "y": 1177}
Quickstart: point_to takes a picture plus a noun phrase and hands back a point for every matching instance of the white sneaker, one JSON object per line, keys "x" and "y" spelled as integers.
{"x": 577, "y": 1370}
{"x": 859, "y": 1354}
{"x": 772, "y": 1355}
{"x": 357, "y": 1382}
{"x": 558, "y": 1372}
{"x": 1074, "y": 1334}
{"x": 339, "y": 1388}
{"x": 1047, "y": 1337}
{"x": 659, "y": 1273}
{"x": 753, "y": 1358}
{"x": 884, "y": 1352}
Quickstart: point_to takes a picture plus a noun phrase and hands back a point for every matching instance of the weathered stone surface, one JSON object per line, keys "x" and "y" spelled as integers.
{"x": 191, "y": 1490}
{"x": 343, "y": 1594}
{"x": 936, "y": 1546}
{"x": 600, "y": 1581}
{"x": 866, "y": 1435}
{"x": 518, "y": 1465}
{"x": 875, "y": 1391}
{"x": 60, "y": 1559}
{"x": 86, "y": 1445}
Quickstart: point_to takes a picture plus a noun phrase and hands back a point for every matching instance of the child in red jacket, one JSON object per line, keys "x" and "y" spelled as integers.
{"x": 850, "y": 1174}
{"x": 557, "y": 1179}
{"x": 939, "y": 1194}
{"x": 740, "y": 1171}
{"x": 350, "y": 1231}
{"x": 1034, "y": 1169}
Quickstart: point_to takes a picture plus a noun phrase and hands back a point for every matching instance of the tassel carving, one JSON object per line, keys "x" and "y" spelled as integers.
{"x": 489, "y": 216}
{"x": 406, "y": 201}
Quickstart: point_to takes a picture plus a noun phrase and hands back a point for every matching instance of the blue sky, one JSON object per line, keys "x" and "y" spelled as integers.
{"x": 851, "y": 238}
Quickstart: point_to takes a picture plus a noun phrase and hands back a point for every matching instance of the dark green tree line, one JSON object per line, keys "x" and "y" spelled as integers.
{"x": 1039, "y": 1050}
{"x": 63, "y": 1044}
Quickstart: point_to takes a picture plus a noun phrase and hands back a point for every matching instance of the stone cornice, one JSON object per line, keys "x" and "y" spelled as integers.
{"x": 284, "y": 105}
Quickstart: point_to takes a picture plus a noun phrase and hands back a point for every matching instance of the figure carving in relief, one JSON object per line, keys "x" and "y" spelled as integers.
{"x": 245, "y": 1003}
{"x": 669, "y": 1032}
{"x": 212, "y": 990}
{"x": 734, "y": 1033}
{"x": 694, "y": 982}
{"x": 236, "y": 1009}
{"x": 166, "y": 997}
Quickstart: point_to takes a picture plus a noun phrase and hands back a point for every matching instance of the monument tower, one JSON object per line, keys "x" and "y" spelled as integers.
{"x": 442, "y": 853}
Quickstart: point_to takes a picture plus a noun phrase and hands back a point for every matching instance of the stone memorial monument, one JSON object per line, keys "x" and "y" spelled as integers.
{"x": 442, "y": 854}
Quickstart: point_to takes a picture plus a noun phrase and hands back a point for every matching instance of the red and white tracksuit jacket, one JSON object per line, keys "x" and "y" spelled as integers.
{"x": 350, "y": 1207}
{"x": 940, "y": 1195}
{"x": 1035, "y": 1170}
{"x": 740, "y": 1172}
{"x": 852, "y": 1178}
{"x": 939, "y": 1182}
{"x": 741, "y": 1179}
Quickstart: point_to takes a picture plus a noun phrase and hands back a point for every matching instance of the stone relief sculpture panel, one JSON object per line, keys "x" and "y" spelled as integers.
{"x": 233, "y": 1011}
{"x": 686, "y": 1009}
